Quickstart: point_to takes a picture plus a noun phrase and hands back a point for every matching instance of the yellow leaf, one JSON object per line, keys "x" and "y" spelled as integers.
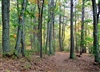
{"x": 46, "y": 2}
{"x": 80, "y": 1}
{"x": 15, "y": 35}
{"x": 33, "y": 1}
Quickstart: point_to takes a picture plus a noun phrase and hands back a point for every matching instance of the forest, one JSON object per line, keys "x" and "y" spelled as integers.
{"x": 49, "y": 36}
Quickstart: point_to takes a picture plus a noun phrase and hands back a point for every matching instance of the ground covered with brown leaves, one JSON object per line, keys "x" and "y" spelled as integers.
{"x": 59, "y": 62}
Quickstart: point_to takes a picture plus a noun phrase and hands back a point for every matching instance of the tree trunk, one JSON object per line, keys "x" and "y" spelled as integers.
{"x": 71, "y": 32}
{"x": 82, "y": 48}
{"x": 60, "y": 35}
{"x": 63, "y": 31}
{"x": 20, "y": 32}
{"x": 40, "y": 8}
{"x": 53, "y": 29}
{"x": 95, "y": 32}
{"x": 48, "y": 27}
{"x": 51, "y": 26}
{"x": 76, "y": 41}
{"x": 5, "y": 28}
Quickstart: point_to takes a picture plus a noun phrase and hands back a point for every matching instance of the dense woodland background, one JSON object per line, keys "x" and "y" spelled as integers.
{"x": 44, "y": 27}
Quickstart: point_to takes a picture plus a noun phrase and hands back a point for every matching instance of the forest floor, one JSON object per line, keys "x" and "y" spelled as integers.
{"x": 59, "y": 62}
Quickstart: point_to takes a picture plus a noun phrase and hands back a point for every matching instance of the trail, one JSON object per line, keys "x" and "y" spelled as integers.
{"x": 59, "y": 62}
{"x": 80, "y": 64}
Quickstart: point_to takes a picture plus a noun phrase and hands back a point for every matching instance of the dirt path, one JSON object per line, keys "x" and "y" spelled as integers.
{"x": 59, "y": 62}
{"x": 80, "y": 64}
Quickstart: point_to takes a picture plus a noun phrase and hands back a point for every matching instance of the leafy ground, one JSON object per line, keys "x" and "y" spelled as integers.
{"x": 59, "y": 62}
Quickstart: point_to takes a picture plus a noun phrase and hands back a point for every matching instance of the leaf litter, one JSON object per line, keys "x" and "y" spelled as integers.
{"x": 59, "y": 62}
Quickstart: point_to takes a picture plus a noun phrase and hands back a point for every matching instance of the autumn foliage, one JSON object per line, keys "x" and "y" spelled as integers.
{"x": 36, "y": 1}
{"x": 14, "y": 35}
{"x": 37, "y": 14}
{"x": 33, "y": 1}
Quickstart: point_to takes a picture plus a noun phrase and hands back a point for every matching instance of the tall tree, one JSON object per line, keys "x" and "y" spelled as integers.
{"x": 48, "y": 27}
{"x": 71, "y": 32}
{"x": 40, "y": 10}
{"x": 5, "y": 29}
{"x": 76, "y": 41}
{"x": 54, "y": 25}
{"x": 20, "y": 32}
{"x": 51, "y": 26}
{"x": 95, "y": 32}
{"x": 60, "y": 35}
{"x": 63, "y": 30}
{"x": 82, "y": 48}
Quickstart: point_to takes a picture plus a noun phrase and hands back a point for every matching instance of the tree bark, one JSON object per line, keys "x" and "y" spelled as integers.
{"x": 5, "y": 29}
{"x": 76, "y": 41}
{"x": 40, "y": 9}
{"x": 71, "y": 32}
{"x": 48, "y": 27}
{"x": 95, "y": 32}
{"x": 82, "y": 48}
{"x": 51, "y": 26}
{"x": 20, "y": 32}
{"x": 60, "y": 35}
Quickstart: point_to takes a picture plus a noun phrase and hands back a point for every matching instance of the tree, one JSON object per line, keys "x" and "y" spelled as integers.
{"x": 60, "y": 35}
{"x": 20, "y": 32}
{"x": 76, "y": 41}
{"x": 40, "y": 10}
{"x": 5, "y": 29}
{"x": 51, "y": 26}
{"x": 63, "y": 29}
{"x": 95, "y": 32}
{"x": 82, "y": 30}
{"x": 50, "y": 23}
{"x": 71, "y": 32}
{"x": 47, "y": 38}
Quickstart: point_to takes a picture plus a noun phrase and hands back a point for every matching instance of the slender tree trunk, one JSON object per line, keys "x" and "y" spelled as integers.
{"x": 44, "y": 33}
{"x": 53, "y": 29}
{"x": 23, "y": 42}
{"x": 63, "y": 36}
{"x": 20, "y": 32}
{"x": 48, "y": 26}
{"x": 76, "y": 41}
{"x": 5, "y": 29}
{"x": 40, "y": 8}
{"x": 60, "y": 35}
{"x": 71, "y": 32}
{"x": 60, "y": 40}
{"x": 85, "y": 34}
{"x": 63, "y": 31}
{"x": 82, "y": 48}
{"x": 47, "y": 38}
{"x": 95, "y": 32}
{"x": 51, "y": 26}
